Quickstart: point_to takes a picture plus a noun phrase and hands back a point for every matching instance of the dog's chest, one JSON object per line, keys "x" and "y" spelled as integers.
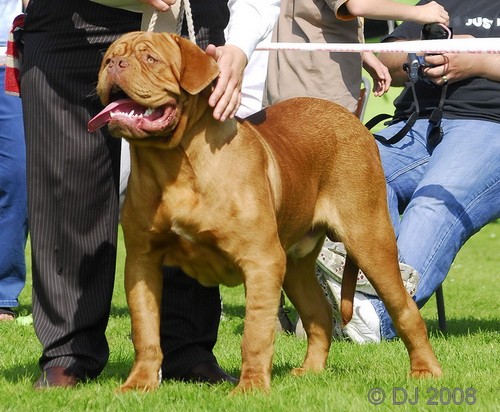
{"x": 201, "y": 258}
{"x": 190, "y": 240}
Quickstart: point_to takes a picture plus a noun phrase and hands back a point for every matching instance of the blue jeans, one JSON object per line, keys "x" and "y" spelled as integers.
{"x": 439, "y": 196}
{"x": 13, "y": 198}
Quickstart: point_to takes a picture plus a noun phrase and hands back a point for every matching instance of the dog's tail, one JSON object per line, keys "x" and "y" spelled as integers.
{"x": 349, "y": 279}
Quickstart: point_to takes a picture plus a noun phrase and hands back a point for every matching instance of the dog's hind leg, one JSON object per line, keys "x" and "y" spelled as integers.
{"x": 307, "y": 296}
{"x": 372, "y": 247}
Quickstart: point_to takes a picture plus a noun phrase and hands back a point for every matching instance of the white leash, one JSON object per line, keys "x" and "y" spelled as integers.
{"x": 180, "y": 9}
{"x": 152, "y": 22}
{"x": 472, "y": 45}
{"x": 479, "y": 46}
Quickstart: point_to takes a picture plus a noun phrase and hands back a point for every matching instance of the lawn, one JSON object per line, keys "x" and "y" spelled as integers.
{"x": 469, "y": 354}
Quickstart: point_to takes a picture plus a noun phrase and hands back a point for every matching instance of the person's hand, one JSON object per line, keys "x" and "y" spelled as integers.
{"x": 449, "y": 67}
{"x": 160, "y": 5}
{"x": 378, "y": 72}
{"x": 226, "y": 96}
{"x": 452, "y": 67}
{"x": 431, "y": 13}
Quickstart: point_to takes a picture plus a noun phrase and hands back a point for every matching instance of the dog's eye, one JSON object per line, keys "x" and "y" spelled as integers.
{"x": 151, "y": 59}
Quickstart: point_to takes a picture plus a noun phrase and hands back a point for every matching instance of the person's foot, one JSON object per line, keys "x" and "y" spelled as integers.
{"x": 208, "y": 372}
{"x": 7, "y": 314}
{"x": 56, "y": 377}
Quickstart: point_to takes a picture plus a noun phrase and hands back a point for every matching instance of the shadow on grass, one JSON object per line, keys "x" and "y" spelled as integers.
{"x": 119, "y": 371}
{"x": 23, "y": 309}
{"x": 464, "y": 327}
{"x": 119, "y": 311}
{"x": 21, "y": 373}
{"x": 233, "y": 310}
{"x": 116, "y": 371}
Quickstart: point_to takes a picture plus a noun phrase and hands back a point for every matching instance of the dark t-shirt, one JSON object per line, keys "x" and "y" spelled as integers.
{"x": 476, "y": 97}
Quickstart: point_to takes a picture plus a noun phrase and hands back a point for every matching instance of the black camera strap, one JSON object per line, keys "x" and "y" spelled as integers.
{"x": 435, "y": 135}
{"x": 406, "y": 128}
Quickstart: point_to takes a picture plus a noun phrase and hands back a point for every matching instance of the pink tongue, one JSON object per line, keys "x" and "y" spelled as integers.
{"x": 122, "y": 105}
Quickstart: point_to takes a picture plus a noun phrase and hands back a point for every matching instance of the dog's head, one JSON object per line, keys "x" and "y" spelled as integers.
{"x": 146, "y": 81}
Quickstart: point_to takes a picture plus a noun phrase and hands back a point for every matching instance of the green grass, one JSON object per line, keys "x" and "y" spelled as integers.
{"x": 469, "y": 354}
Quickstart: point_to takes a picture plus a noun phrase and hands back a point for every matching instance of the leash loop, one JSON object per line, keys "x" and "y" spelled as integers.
{"x": 184, "y": 11}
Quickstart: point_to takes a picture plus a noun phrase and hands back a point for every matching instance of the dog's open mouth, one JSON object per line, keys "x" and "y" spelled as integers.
{"x": 138, "y": 120}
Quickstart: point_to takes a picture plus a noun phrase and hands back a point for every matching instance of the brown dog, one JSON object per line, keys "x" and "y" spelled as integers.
{"x": 247, "y": 202}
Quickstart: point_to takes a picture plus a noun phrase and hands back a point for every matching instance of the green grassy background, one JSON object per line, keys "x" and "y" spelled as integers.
{"x": 469, "y": 353}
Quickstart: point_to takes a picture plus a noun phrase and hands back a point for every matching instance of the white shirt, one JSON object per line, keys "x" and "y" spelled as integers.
{"x": 250, "y": 22}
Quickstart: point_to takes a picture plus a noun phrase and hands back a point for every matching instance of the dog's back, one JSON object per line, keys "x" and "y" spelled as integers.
{"x": 327, "y": 144}
{"x": 315, "y": 134}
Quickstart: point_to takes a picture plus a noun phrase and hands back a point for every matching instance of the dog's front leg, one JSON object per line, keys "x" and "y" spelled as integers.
{"x": 262, "y": 291}
{"x": 143, "y": 287}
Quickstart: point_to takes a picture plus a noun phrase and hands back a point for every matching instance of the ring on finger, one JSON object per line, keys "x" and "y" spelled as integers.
{"x": 445, "y": 79}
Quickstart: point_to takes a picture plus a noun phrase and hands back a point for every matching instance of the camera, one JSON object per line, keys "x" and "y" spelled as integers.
{"x": 415, "y": 64}
{"x": 436, "y": 31}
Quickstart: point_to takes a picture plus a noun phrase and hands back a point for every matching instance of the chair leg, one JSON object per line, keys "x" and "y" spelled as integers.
{"x": 283, "y": 322}
{"x": 440, "y": 308}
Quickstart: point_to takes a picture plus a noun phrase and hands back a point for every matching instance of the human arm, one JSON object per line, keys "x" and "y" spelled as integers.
{"x": 453, "y": 66}
{"x": 378, "y": 72}
{"x": 250, "y": 22}
{"x": 390, "y": 10}
{"x": 159, "y": 5}
{"x": 394, "y": 63}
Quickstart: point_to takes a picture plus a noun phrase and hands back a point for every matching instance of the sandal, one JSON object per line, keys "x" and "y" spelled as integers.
{"x": 7, "y": 314}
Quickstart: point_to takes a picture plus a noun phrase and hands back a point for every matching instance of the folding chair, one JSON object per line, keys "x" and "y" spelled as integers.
{"x": 364, "y": 93}
{"x": 440, "y": 308}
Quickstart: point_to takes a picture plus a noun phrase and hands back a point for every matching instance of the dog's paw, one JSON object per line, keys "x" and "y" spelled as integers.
{"x": 299, "y": 371}
{"x": 141, "y": 381}
{"x": 306, "y": 369}
{"x": 141, "y": 387}
{"x": 424, "y": 365}
{"x": 246, "y": 385}
{"x": 434, "y": 372}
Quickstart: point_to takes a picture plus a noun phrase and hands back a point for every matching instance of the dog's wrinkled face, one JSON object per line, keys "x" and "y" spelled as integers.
{"x": 142, "y": 80}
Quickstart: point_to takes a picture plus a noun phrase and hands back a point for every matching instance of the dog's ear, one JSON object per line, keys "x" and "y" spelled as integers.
{"x": 198, "y": 69}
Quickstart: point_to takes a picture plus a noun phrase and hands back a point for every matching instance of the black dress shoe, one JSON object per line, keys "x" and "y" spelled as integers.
{"x": 56, "y": 377}
{"x": 208, "y": 372}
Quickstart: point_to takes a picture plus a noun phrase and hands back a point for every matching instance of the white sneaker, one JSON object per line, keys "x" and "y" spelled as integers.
{"x": 364, "y": 327}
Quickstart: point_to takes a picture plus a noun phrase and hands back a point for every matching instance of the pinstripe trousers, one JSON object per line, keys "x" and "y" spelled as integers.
{"x": 72, "y": 179}
{"x": 73, "y": 199}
